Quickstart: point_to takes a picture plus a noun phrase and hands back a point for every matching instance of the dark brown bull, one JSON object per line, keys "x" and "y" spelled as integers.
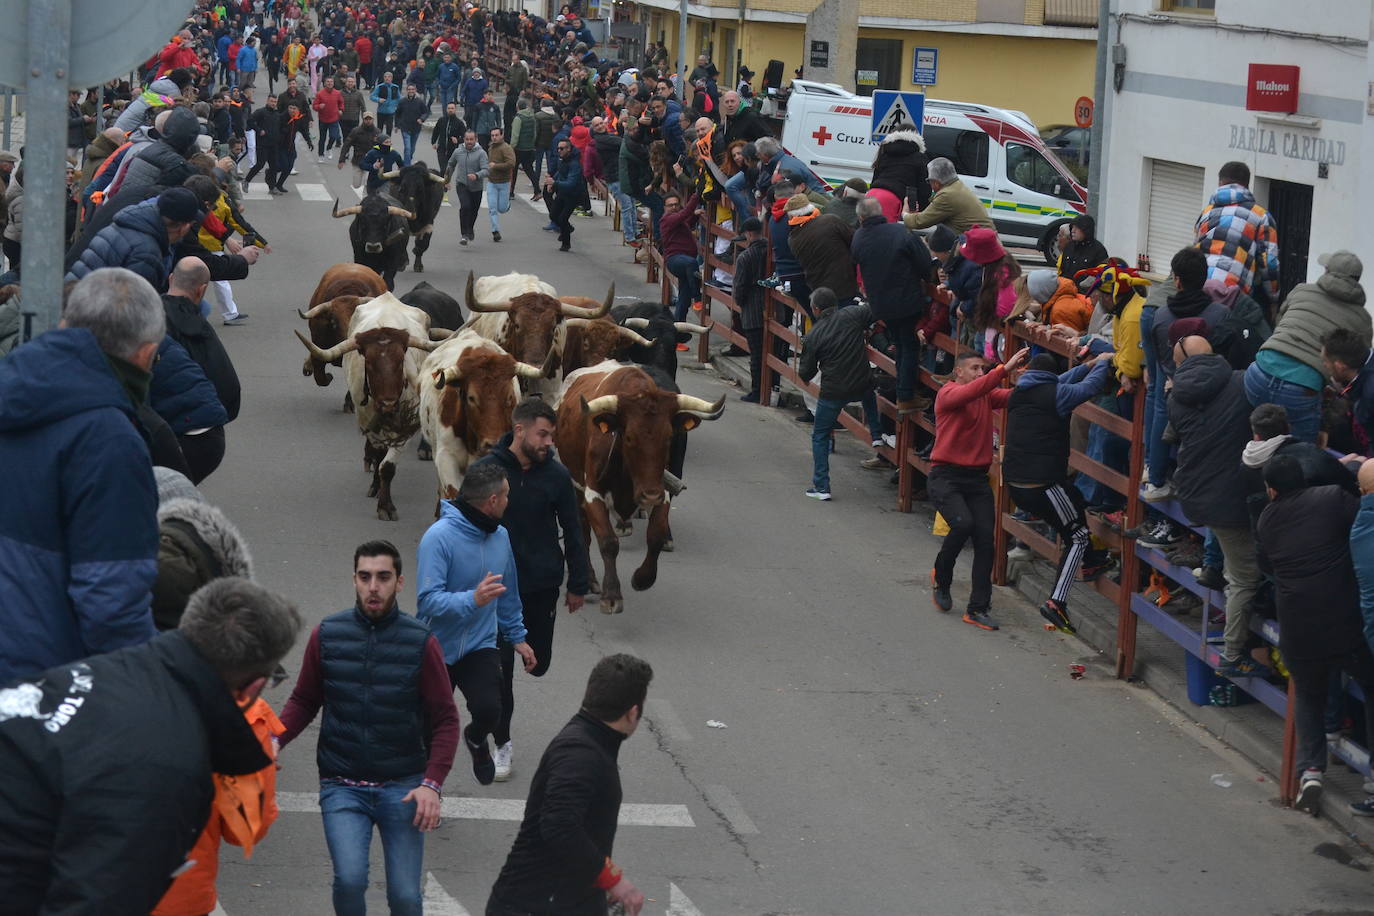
{"x": 329, "y": 320}
{"x": 614, "y": 431}
{"x": 590, "y": 341}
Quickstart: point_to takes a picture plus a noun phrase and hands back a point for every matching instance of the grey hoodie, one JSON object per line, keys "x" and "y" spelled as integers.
{"x": 1313, "y": 310}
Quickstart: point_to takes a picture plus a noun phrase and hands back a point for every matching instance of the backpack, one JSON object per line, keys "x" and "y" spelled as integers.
{"x": 1241, "y": 332}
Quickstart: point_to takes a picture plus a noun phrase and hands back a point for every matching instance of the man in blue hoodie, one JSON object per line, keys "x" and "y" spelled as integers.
{"x": 1035, "y": 461}
{"x": 78, "y": 518}
{"x": 468, "y": 589}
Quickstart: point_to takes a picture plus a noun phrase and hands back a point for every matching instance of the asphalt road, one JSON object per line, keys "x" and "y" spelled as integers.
{"x": 878, "y": 757}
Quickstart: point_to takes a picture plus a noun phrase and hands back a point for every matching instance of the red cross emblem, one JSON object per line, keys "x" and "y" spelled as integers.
{"x": 822, "y": 135}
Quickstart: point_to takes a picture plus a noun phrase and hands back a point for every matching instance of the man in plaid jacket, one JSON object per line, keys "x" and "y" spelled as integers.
{"x": 1240, "y": 238}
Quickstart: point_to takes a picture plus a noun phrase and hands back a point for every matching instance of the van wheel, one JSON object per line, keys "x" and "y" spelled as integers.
{"x": 1049, "y": 242}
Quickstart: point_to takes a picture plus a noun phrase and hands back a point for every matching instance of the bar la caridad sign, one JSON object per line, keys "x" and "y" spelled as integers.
{"x": 1287, "y": 143}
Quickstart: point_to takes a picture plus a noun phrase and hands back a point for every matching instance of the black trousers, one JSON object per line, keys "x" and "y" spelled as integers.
{"x": 267, "y": 158}
{"x": 541, "y": 613}
{"x": 1061, "y": 506}
{"x": 963, "y": 497}
{"x": 203, "y": 453}
{"x": 478, "y": 676}
{"x": 560, "y": 214}
{"x": 532, "y": 164}
{"x": 386, "y": 123}
{"x": 754, "y": 336}
{"x": 1311, "y": 680}
{"x": 468, "y": 202}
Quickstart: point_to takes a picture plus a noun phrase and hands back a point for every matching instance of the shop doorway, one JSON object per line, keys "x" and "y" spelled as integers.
{"x": 878, "y": 65}
{"x": 1290, "y": 204}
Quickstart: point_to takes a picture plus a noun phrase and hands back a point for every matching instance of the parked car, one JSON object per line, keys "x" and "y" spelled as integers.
{"x": 1071, "y": 144}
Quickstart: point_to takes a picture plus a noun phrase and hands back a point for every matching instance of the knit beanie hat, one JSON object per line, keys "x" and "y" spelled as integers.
{"x": 1042, "y": 284}
{"x": 942, "y": 239}
{"x": 799, "y": 205}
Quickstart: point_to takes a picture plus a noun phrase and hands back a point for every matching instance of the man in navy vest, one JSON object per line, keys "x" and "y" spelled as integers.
{"x": 389, "y": 734}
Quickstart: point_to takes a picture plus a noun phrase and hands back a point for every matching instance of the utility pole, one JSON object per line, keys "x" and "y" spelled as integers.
{"x": 1097, "y": 145}
{"x": 682, "y": 49}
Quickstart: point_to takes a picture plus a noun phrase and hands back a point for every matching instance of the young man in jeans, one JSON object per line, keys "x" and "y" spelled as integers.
{"x": 958, "y": 482}
{"x": 837, "y": 346}
{"x": 389, "y": 733}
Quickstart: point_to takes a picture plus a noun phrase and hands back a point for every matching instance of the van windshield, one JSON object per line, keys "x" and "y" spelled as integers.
{"x": 967, "y": 149}
{"x": 1028, "y": 168}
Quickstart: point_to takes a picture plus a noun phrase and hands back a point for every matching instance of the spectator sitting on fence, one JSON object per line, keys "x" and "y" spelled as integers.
{"x": 1055, "y": 301}
{"x": 1304, "y": 541}
{"x": 1036, "y": 464}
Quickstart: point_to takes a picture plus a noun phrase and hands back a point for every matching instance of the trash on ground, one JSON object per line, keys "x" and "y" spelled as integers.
{"x": 1221, "y": 780}
{"x": 715, "y": 723}
{"x": 1077, "y": 671}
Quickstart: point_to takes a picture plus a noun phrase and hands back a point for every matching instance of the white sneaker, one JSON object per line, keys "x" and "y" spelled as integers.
{"x": 889, "y": 440}
{"x": 1369, "y": 786}
{"x": 502, "y": 761}
{"x": 1309, "y": 792}
{"x": 1152, "y": 494}
{"x": 1020, "y": 552}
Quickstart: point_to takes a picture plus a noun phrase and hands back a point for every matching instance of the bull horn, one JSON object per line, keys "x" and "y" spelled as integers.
{"x": 686, "y": 327}
{"x": 316, "y": 311}
{"x": 440, "y": 333}
{"x": 437, "y": 179}
{"x": 392, "y": 175}
{"x": 576, "y": 322}
{"x": 636, "y": 339}
{"x": 528, "y": 370}
{"x": 397, "y": 211}
{"x": 577, "y": 311}
{"x": 700, "y": 407}
{"x": 474, "y": 305}
{"x": 346, "y": 211}
{"x": 333, "y": 353}
{"x": 607, "y": 403}
{"x": 447, "y": 376}
{"x": 641, "y": 324}
{"x": 420, "y": 343}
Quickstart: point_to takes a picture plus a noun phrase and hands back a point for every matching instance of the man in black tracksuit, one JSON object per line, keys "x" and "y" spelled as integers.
{"x": 542, "y": 501}
{"x": 561, "y": 859}
{"x": 1036, "y": 461}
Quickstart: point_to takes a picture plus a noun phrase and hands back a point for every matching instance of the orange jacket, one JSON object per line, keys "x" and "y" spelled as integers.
{"x": 1066, "y": 306}
{"x": 244, "y": 807}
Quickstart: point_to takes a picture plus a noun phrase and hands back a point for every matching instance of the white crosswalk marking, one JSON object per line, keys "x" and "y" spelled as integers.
{"x": 513, "y": 809}
{"x": 257, "y": 192}
{"x": 313, "y": 192}
{"x": 439, "y": 902}
{"x": 679, "y": 904}
{"x": 362, "y": 192}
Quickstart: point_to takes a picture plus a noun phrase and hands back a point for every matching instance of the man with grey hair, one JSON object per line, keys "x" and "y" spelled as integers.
{"x": 953, "y": 204}
{"x": 108, "y": 760}
{"x": 773, "y": 161}
{"x": 78, "y": 514}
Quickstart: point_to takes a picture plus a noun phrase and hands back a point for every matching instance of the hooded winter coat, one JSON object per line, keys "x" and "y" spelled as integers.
{"x": 155, "y": 720}
{"x": 157, "y": 93}
{"x": 1082, "y": 255}
{"x": 197, "y": 543}
{"x": 822, "y": 246}
{"x": 180, "y": 392}
{"x": 137, "y": 240}
{"x": 163, "y": 162}
{"x": 1241, "y": 241}
{"x": 1187, "y": 303}
{"x": 894, "y": 265}
{"x": 78, "y": 527}
{"x": 900, "y": 166}
{"x": 1313, "y": 310}
{"x": 1209, "y": 411}
{"x": 1067, "y": 307}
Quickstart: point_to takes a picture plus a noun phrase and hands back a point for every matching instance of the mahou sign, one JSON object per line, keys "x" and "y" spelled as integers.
{"x": 1272, "y": 87}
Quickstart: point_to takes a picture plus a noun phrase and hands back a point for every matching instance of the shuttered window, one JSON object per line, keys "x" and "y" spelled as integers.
{"x": 1176, "y": 199}
{"x": 1071, "y": 12}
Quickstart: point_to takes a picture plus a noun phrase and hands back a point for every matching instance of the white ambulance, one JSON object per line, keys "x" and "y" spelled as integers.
{"x": 998, "y": 153}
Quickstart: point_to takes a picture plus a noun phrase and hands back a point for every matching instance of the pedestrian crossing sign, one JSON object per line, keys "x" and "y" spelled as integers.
{"x": 895, "y": 111}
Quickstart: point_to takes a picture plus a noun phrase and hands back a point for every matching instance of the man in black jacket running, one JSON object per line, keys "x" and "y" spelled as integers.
{"x": 561, "y": 860}
{"x": 542, "y": 501}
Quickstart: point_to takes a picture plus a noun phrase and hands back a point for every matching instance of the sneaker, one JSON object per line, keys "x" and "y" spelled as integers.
{"x": 551, "y": 227}
{"x": 1114, "y": 520}
{"x": 890, "y": 440}
{"x": 1093, "y": 568}
{"x": 1164, "y": 535}
{"x": 1056, "y": 614}
{"x": 751, "y": 397}
{"x": 463, "y": 240}
{"x": 1369, "y": 786}
{"x": 1187, "y": 554}
{"x": 483, "y": 768}
{"x": 822, "y": 495}
{"x": 1151, "y": 493}
{"x": 240, "y": 318}
{"x": 1210, "y": 577}
{"x": 876, "y": 463}
{"x": 980, "y": 619}
{"x": 1363, "y": 809}
{"x": 940, "y": 597}
{"x": 295, "y": 171}
{"x": 501, "y": 760}
{"x": 1310, "y": 793}
{"x": 496, "y": 236}
{"x": 1244, "y": 666}
{"x": 318, "y": 159}
{"x": 1146, "y": 526}
{"x": 1020, "y": 552}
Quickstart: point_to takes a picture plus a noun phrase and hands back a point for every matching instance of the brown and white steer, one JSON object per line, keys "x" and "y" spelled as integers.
{"x": 594, "y": 340}
{"x": 468, "y": 388}
{"x": 383, "y": 372}
{"x": 328, "y": 319}
{"x": 614, "y": 429}
{"x": 521, "y": 313}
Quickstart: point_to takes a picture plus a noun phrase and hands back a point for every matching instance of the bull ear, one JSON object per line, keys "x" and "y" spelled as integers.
{"x": 686, "y": 422}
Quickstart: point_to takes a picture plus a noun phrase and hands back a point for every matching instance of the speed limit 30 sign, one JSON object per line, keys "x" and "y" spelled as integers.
{"x": 1083, "y": 112}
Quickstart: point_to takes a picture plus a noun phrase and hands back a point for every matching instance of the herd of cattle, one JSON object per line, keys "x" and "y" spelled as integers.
{"x": 414, "y": 365}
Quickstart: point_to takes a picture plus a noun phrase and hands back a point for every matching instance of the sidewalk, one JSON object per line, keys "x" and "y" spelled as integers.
{"x": 1250, "y": 728}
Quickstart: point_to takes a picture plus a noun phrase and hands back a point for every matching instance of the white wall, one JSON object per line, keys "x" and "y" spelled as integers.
{"x": 1183, "y": 101}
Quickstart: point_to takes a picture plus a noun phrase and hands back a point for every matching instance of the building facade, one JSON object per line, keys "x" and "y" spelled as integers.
{"x": 1286, "y": 88}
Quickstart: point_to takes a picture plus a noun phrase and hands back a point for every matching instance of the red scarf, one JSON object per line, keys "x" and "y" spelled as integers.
{"x": 779, "y": 208}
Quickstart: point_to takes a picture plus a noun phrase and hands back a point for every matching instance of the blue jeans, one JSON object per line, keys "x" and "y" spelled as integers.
{"x": 498, "y": 202}
{"x": 629, "y": 216}
{"x": 903, "y": 334}
{"x": 408, "y": 145}
{"x": 684, "y": 267}
{"x": 1211, "y": 552}
{"x": 1304, "y": 405}
{"x": 655, "y": 205}
{"x": 1158, "y": 461}
{"x": 737, "y": 189}
{"x": 827, "y": 418}
{"x": 349, "y": 815}
{"x": 448, "y": 94}
{"x": 1109, "y": 449}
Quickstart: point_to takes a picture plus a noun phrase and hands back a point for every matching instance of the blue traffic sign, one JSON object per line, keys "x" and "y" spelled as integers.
{"x": 896, "y": 111}
{"x": 925, "y": 66}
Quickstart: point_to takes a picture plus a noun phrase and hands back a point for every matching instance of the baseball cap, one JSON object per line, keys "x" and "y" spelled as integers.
{"x": 1342, "y": 263}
